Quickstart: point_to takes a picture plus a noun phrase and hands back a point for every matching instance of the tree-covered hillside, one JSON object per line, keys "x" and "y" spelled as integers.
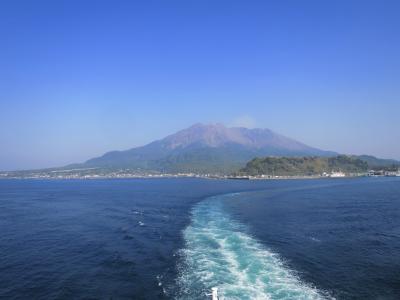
{"x": 300, "y": 166}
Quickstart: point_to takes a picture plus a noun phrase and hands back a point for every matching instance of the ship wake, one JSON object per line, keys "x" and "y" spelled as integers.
{"x": 219, "y": 252}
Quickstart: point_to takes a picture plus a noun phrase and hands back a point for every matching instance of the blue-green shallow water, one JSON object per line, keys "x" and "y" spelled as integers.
{"x": 176, "y": 238}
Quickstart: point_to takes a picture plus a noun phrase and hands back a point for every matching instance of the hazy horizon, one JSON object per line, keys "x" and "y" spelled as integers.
{"x": 236, "y": 124}
{"x": 81, "y": 78}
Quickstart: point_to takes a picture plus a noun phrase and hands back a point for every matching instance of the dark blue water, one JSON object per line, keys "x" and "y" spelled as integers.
{"x": 343, "y": 237}
{"x": 175, "y": 238}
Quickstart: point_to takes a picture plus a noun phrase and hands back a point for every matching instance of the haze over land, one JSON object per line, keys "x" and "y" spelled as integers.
{"x": 215, "y": 149}
{"x": 206, "y": 148}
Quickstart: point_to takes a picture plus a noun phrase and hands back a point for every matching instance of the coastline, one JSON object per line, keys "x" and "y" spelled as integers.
{"x": 128, "y": 173}
{"x": 168, "y": 176}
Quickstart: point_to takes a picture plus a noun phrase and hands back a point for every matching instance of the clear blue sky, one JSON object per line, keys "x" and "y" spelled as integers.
{"x": 79, "y": 78}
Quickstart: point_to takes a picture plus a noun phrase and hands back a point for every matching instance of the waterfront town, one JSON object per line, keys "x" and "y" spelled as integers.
{"x": 98, "y": 173}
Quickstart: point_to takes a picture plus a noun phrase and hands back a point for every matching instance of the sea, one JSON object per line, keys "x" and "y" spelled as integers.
{"x": 178, "y": 238}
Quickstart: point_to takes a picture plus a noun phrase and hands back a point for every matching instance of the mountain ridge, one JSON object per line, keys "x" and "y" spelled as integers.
{"x": 202, "y": 149}
{"x": 206, "y": 147}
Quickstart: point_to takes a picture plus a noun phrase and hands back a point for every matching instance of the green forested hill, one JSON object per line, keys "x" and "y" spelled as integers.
{"x": 299, "y": 166}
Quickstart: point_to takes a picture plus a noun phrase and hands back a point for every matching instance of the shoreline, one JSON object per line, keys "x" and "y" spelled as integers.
{"x": 170, "y": 176}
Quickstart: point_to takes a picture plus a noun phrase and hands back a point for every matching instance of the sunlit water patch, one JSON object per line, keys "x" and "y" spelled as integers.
{"x": 219, "y": 252}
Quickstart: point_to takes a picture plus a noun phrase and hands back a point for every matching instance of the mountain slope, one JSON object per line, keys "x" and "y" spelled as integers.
{"x": 206, "y": 148}
{"x": 378, "y": 163}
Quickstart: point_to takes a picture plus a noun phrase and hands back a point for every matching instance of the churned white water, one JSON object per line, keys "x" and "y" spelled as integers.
{"x": 219, "y": 252}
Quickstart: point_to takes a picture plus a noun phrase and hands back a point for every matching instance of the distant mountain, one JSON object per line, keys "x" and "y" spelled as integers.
{"x": 206, "y": 148}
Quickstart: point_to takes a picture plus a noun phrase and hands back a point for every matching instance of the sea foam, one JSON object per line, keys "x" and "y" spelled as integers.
{"x": 219, "y": 252}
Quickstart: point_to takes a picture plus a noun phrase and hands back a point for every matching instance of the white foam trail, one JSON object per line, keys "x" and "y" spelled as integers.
{"x": 219, "y": 253}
